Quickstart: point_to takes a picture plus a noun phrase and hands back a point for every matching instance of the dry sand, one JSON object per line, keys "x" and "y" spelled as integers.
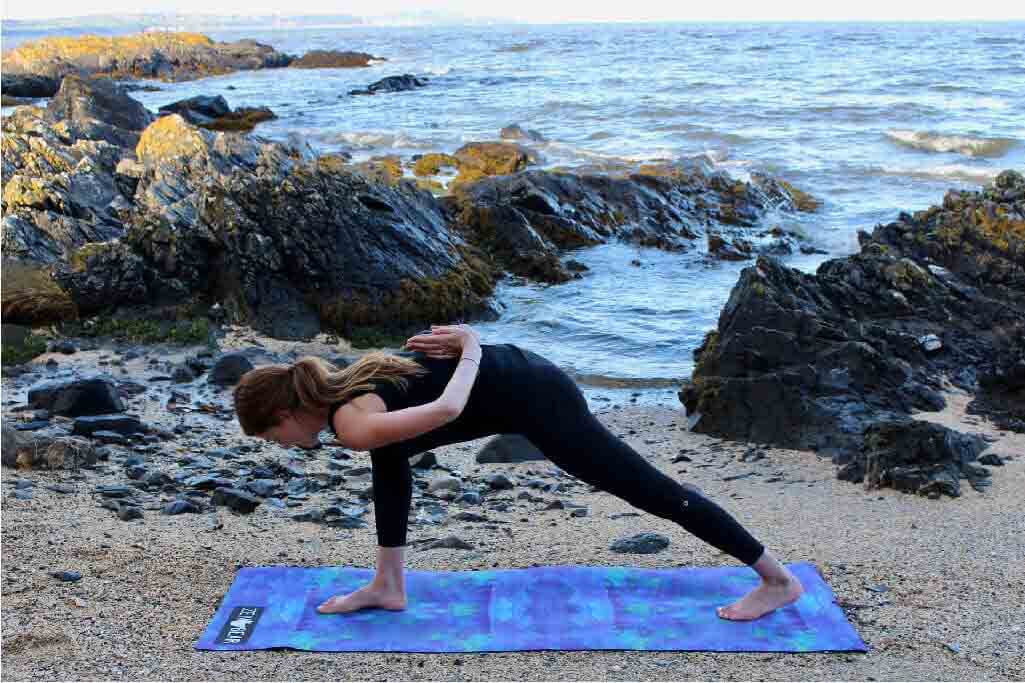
{"x": 954, "y": 569}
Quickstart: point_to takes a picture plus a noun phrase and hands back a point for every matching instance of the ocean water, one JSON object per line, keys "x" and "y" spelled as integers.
{"x": 871, "y": 118}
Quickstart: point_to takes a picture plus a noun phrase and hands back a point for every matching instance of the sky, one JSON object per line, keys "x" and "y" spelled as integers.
{"x": 547, "y": 11}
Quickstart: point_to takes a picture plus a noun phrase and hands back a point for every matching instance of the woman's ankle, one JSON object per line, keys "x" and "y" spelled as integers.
{"x": 389, "y": 584}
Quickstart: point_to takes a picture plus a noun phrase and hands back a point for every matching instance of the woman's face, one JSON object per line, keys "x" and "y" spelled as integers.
{"x": 295, "y": 429}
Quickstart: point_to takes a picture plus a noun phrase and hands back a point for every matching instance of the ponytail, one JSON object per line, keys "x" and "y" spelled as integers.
{"x": 312, "y": 384}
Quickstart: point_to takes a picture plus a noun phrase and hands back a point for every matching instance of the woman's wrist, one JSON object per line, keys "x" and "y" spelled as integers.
{"x": 472, "y": 351}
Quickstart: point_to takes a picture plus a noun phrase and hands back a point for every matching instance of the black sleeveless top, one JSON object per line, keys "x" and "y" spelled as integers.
{"x": 503, "y": 377}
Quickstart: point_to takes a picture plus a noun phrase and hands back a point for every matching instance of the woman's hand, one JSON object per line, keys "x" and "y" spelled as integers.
{"x": 444, "y": 341}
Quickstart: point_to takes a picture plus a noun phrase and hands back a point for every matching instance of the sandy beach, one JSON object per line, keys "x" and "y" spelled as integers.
{"x": 951, "y": 610}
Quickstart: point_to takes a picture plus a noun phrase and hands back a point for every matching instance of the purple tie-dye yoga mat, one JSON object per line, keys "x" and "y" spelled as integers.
{"x": 569, "y": 607}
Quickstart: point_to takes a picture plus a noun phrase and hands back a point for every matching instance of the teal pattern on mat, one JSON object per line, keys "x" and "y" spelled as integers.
{"x": 570, "y": 607}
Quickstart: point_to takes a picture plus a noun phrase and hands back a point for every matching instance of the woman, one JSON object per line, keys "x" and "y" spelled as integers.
{"x": 456, "y": 390}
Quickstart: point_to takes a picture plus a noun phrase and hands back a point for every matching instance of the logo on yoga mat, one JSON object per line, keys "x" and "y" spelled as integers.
{"x": 240, "y": 625}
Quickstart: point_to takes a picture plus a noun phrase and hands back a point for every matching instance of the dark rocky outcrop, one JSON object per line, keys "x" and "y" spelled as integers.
{"x": 813, "y": 361}
{"x": 916, "y": 457}
{"x": 333, "y": 59}
{"x": 213, "y": 113}
{"x": 392, "y": 84}
{"x": 285, "y": 242}
{"x": 524, "y": 218}
{"x": 28, "y": 85}
{"x": 163, "y": 55}
{"x": 97, "y": 109}
{"x": 198, "y": 109}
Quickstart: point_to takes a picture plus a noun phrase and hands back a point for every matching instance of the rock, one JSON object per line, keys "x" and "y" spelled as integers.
{"x": 448, "y": 542}
{"x": 236, "y": 499}
{"x": 182, "y": 374}
{"x": 163, "y": 55}
{"x": 431, "y": 163}
{"x": 229, "y": 368}
{"x": 392, "y": 84}
{"x": 813, "y": 360}
{"x": 468, "y": 497}
{"x": 643, "y": 543}
{"x": 555, "y": 505}
{"x": 88, "y": 396}
{"x": 145, "y": 267}
{"x": 991, "y": 459}
{"x": 481, "y": 159}
{"x": 444, "y": 484}
{"x": 98, "y": 109}
{"x": 423, "y": 461}
{"x": 11, "y": 444}
{"x": 119, "y": 424}
{"x": 333, "y": 59}
{"x": 65, "y": 346}
{"x": 524, "y": 216}
{"x": 213, "y": 113}
{"x": 115, "y": 491}
{"x": 338, "y": 518}
{"x": 241, "y": 119}
{"x": 29, "y": 85}
{"x": 263, "y": 487}
{"x": 205, "y": 482}
{"x": 105, "y": 436}
{"x": 578, "y": 512}
{"x": 498, "y": 481}
{"x": 509, "y": 448}
{"x": 469, "y": 517}
{"x": 180, "y": 506}
{"x": 129, "y": 512}
{"x": 69, "y": 576}
{"x": 515, "y": 132}
{"x": 930, "y": 343}
{"x": 198, "y": 109}
{"x": 917, "y": 457}
{"x": 47, "y": 452}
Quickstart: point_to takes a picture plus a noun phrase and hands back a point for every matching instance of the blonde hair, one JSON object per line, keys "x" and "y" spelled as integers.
{"x": 312, "y": 384}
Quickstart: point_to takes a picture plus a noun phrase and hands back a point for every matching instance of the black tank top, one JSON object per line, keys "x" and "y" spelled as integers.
{"x": 503, "y": 382}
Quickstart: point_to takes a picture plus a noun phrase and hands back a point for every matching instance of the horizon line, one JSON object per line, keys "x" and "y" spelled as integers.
{"x": 455, "y": 19}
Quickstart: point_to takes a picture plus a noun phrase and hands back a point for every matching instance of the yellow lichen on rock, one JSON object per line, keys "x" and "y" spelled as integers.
{"x": 169, "y": 137}
{"x": 494, "y": 158}
{"x": 71, "y": 48}
{"x": 430, "y": 164}
{"x": 802, "y": 200}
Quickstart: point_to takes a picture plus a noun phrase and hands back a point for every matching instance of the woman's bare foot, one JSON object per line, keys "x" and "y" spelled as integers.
{"x": 367, "y": 596}
{"x": 766, "y": 597}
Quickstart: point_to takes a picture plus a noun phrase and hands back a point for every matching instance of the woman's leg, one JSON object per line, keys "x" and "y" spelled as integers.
{"x": 563, "y": 427}
{"x": 392, "y": 479}
{"x": 586, "y": 449}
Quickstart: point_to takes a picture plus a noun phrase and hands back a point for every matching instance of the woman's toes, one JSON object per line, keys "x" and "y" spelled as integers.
{"x": 322, "y": 607}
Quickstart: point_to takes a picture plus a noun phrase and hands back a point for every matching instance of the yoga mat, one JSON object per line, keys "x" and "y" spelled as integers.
{"x": 569, "y": 607}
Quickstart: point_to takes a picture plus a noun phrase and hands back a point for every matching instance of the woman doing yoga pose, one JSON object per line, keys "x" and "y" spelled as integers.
{"x": 456, "y": 389}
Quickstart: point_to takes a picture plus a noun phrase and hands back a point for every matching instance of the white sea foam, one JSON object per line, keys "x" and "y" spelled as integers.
{"x": 957, "y": 171}
{"x": 437, "y": 70}
{"x": 379, "y": 139}
{"x": 969, "y": 145}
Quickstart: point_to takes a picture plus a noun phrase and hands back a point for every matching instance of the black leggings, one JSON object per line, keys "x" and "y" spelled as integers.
{"x": 555, "y": 417}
